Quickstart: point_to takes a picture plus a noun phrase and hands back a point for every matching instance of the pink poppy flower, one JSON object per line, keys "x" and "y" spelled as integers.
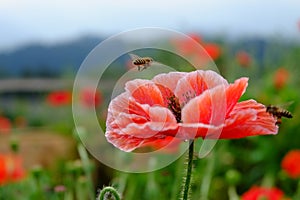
{"x": 257, "y": 193}
{"x": 184, "y": 106}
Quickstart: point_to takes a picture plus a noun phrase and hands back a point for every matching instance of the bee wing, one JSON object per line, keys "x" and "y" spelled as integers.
{"x": 156, "y": 63}
{"x": 133, "y": 56}
{"x": 285, "y": 105}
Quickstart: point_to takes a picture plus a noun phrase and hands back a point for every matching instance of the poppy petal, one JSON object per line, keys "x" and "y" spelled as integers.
{"x": 234, "y": 92}
{"x": 169, "y": 80}
{"x": 195, "y": 83}
{"x": 208, "y": 108}
{"x": 249, "y": 118}
{"x": 145, "y": 92}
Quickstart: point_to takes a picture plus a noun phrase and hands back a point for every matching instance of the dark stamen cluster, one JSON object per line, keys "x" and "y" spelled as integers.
{"x": 174, "y": 106}
{"x": 188, "y": 96}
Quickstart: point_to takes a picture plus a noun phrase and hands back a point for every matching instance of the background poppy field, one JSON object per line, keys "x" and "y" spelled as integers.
{"x": 42, "y": 159}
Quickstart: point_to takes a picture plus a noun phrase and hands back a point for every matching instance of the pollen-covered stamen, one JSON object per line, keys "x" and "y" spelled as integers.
{"x": 174, "y": 106}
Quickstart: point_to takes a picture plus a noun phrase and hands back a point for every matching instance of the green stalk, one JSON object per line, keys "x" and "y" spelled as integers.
{"x": 87, "y": 168}
{"x": 232, "y": 193}
{"x": 297, "y": 194}
{"x": 207, "y": 178}
{"x": 189, "y": 171}
{"x": 84, "y": 157}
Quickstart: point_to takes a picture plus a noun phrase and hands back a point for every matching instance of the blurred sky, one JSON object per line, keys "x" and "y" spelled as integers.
{"x": 25, "y": 21}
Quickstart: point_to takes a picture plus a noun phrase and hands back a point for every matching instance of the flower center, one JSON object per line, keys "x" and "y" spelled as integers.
{"x": 174, "y": 106}
{"x": 187, "y": 96}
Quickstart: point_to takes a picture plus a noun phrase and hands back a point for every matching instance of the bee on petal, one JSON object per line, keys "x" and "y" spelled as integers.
{"x": 278, "y": 112}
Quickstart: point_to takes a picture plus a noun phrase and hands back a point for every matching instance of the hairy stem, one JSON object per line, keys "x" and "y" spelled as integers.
{"x": 107, "y": 193}
{"x": 189, "y": 171}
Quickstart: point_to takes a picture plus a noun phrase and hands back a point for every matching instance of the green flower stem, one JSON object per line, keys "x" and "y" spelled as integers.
{"x": 107, "y": 192}
{"x": 87, "y": 165}
{"x": 207, "y": 177}
{"x": 297, "y": 194}
{"x": 232, "y": 193}
{"x": 189, "y": 171}
{"x": 87, "y": 168}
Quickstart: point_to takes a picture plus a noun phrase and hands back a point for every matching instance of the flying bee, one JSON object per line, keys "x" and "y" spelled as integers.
{"x": 141, "y": 62}
{"x": 278, "y": 112}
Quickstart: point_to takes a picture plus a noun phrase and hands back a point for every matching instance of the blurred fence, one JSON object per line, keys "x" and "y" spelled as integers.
{"x": 43, "y": 85}
{"x": 36, "y": 84}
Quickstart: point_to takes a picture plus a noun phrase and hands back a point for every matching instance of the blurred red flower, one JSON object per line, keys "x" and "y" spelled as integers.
{"x": 291, "y": 163}
{"x": 90, "y": 98}
{"x": 5, "y": 125}
{"x": 11, "y": 168}
{"x": 59, "y": 98}
{"x": 184, "y": 106}
{"x": 213, "y": 50}
{"x": 243, "y": 58}
{"x": 188, "y": 47}
{"x": 196, "y": 37}
{"x": 257, "y": 193}
{"x": 281, "y": 77}
{"x": 2, "y": 170}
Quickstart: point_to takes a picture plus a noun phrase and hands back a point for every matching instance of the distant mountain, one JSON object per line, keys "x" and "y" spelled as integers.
{"x": 52, "y": 60}
{"x": 46, "y": 60}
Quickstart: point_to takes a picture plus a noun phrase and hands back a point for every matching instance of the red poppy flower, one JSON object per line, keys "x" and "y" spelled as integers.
{"x": 196, "y": 37}
{"x": 184, "y": 106}
{"x": 281, "y": 77}
{"x": 257, "y": 193}
{"x": 59, "y": 98}
{"x": 11, "y": 168}
{"x": 3, "y": 173}
{"x": 189, "y": 48}
{"x": 243, "y": 59}
{"x": 291, "y": 163}
{"x": 89, "y": 98}
{"x": 5, "y": 125}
